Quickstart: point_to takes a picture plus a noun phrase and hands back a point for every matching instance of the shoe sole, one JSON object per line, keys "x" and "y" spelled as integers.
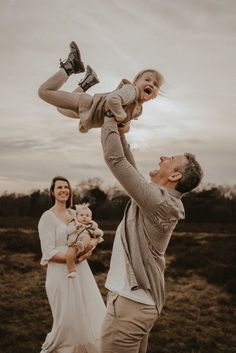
{"x": 74, "y": 46}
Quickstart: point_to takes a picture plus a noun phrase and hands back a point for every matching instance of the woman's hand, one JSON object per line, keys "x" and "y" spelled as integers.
{"x": 85, "y": 256}
{"x": 86, "y": 253}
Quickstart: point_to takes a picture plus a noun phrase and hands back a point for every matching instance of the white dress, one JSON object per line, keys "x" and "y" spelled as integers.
{"x": 77, "y": 306}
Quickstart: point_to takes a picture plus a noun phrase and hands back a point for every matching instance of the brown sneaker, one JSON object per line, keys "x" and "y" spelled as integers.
{"x": 73, "y": 64}
{"x": 90, "y": 79}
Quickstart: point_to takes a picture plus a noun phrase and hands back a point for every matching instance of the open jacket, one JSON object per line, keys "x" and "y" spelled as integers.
{"x": 149, "y": 218}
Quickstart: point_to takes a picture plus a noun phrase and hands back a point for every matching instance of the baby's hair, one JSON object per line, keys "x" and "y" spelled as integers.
{"x": 82, "y": 206}
{"x": 159, "y": 77}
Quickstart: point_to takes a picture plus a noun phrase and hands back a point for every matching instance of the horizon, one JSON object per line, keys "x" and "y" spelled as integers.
{"x": 227, "y": 189}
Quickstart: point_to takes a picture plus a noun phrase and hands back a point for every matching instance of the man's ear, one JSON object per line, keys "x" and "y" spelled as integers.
{"x": 176, "y": 176}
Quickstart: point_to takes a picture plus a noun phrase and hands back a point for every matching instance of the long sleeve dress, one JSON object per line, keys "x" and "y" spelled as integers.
{"x": 77, "y": 306}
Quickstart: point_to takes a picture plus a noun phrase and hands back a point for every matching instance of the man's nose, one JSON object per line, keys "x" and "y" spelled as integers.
{"x": 163, "y": 158}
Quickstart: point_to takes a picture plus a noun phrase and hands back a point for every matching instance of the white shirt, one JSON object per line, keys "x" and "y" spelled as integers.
{"x": 117, "y": 278}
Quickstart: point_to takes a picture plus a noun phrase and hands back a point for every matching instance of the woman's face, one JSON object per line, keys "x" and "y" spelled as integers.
{"x": 61, "y": 191}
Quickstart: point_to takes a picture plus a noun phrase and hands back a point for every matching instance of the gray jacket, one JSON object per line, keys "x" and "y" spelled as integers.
{"x": 149, "y": 218}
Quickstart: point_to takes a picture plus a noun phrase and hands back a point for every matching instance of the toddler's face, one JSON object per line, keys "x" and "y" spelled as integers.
{"x": 84, "y": 216}
{"x": 147, "y": 85}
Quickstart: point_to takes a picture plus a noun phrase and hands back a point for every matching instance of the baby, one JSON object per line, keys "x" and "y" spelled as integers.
{"x": 124, "y": 103}
{"x": 85, "y": 232}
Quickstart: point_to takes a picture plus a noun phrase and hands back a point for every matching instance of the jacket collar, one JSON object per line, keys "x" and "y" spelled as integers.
{"x": 174, "y": 193}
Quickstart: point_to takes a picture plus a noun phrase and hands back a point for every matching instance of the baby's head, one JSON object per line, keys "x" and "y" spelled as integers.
{"x": 83, "y": 213}
{"x": 148, "y": 83}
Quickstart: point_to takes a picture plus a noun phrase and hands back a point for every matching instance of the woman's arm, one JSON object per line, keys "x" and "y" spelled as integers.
{"x": 60, "y": 258}
{"x": 46, "y": 228}
{"x": 87, "y": 252}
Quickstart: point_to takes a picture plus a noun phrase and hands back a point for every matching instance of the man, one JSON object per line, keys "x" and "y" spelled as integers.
{"x": 136, "y": 276}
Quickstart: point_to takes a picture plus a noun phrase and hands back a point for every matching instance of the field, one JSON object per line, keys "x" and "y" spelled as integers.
{"x": 199, "y": 315}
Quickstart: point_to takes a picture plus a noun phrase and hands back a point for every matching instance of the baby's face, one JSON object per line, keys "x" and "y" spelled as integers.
{"x": 84, "y": 216}
{"x": 148, "y": 86}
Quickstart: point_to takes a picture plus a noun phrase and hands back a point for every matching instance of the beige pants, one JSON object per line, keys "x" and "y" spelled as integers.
{"x": 126, "y": 325}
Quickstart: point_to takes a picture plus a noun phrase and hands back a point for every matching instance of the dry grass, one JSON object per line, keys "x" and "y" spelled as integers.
{"x": 198, "y": 317}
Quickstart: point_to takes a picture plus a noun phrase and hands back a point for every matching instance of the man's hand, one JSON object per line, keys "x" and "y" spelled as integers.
{"x": 124, "y": 128}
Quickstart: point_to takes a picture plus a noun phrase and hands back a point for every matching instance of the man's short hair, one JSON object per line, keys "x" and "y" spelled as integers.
{"x": 192, "y": 174}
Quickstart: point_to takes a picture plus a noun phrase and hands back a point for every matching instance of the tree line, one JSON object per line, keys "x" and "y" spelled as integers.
{"x": 211, "y": 204}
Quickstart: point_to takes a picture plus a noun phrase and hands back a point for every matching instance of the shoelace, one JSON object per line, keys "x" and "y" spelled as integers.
{"x": 70, "y": 56}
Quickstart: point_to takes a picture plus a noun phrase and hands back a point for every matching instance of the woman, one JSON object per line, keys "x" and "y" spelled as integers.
{"x": 76, "y": 304}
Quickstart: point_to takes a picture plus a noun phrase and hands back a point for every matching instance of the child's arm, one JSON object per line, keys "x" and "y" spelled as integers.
{"x": 96, "y": 232}
{"x": 119, "y": 98}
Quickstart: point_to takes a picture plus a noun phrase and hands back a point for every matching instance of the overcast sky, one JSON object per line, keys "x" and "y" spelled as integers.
{"x": 192, "y": 43}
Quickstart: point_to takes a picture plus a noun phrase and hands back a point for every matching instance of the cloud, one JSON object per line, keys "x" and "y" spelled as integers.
{"x": 191, "y": 43}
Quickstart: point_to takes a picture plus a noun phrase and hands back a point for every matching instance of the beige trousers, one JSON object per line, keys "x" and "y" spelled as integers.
{"x": 126, "y": 325}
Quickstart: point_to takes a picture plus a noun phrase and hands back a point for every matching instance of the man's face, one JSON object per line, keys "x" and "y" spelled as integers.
{"x": 147, "y": 86}
{"x": 168, "y": 167}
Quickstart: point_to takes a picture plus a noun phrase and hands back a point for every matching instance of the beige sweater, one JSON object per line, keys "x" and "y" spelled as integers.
{"x": 75, "y": 234}
{"x": 122, "y": 102}
{"x": 149, "y": 218}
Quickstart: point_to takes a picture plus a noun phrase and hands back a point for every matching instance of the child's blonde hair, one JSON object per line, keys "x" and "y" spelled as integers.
{"x": 82, "y": 206}
{"x": 159, "y": 77}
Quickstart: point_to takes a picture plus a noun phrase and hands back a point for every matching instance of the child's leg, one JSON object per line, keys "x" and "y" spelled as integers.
{"x": 49, "y": 89}
{"x": 90, "y": 79}
{"x": 70, "y": 259}
{"x": 70, "y": 113}
{"x": 85, "y": 239}
{"x": 73, "y": 64}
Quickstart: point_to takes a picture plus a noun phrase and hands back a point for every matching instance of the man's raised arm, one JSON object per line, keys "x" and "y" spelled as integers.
{"x": 126, "y": 147}
{"x": 127, "y": 175}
